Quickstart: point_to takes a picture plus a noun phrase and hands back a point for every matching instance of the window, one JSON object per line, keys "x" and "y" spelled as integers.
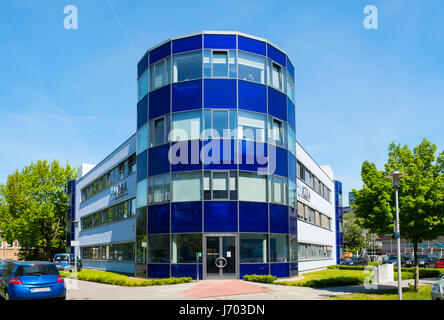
{"x": 290, "y": 87}
{"x": 116, "y": 251}
{"x": 160, "y": 74}
{"x": 159, "y": 248}
{"x": 292, "y": 194}
{"x": 121, "y": 211}
{"x": 300, "y": 211}
{"x": 186, "y": 126}
{"x": 132, "y": 164}
{"x": 252, "y": 187}
{"x": 220, "y": 123}
{"x": 159, "y": 188}
{"x": 312, "y": 216}
{"x": 142, "y": 138}
{"x": 142, "y": 85}
{"x": 314, "y": 251}
{"x": 185, "y": 247}
{"x": 291, "y": 140}
{"x": 142, "y": 193}
{"x": 251, "y": 126}
{"x": 293, "y": 248}
{"x": 220, "y": 64}
{"x": 253, "y": 248}
{"x": 220, "y": 185}
{"x": 187, "y": 186}
{"x": 277, "y": 132}
{"x": 278, "y": 190}
{"x": 251, "y": 67}
{"x": 278, "y": 248}
{"x": 159, "y": 131}
{"x": 187, "y": 66}
{"x": 275, "y": 75}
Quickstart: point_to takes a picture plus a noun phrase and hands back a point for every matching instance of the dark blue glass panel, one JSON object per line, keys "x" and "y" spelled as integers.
{"x": 290, "y": 67}
{"x": 253, "y": 217}
{"x": 219, "y": 41}
{"x": 278, "y": 161}
{"x": 186, "y": 270}
{"x": 252, "y": 96}
{"x": 186, "y": 217}
{"x": 159, "y": 218}
{"x": 251, "y": 45}
{"x": 142, "y": 112}
{"x": 256, "y": 268}
{"x": 159, "y": 102}
{"x": 192, "y": 150}
{"x": 216, "y": 154}
{"x": 291, "y": 114}
{"x": 277, "y": 104}
{"x": 276, "y": 55}
{"x": 280, "y": 270}
{"x": 142, "y": 65}
{"x": 160, "y": 52}
{"x": 187, "y": 44}
{"x": 158, "y": 270}
{"x": 220, "y": 216}
{"x": 252, "y": 155}
{"x": 291, "y": 167}
{"x": 293, "y": 220}
{"x": 158, "y": 160}
{"x": 142, "y": 166}
{"x": 219, "y": 93}
{"x": 187, "y": 95}
{"x": 294, "y": 266}
{"x": 278, "y": 218}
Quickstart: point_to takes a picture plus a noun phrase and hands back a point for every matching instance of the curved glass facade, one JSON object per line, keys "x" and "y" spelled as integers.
{"x": 216, "y": 159}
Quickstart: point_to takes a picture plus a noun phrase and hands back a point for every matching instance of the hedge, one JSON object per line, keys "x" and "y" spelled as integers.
{"x": 260, "y": 278}
{"x": 423, "y": 272}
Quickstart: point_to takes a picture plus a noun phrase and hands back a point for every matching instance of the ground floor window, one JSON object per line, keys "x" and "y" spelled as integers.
{"x": 309, "y": 251}
{"x": 278, "y": 248}
{"x": 110, "y": 252}
{"x": 159, "y": 248}
{"x": 185, "y": 247}
{"x": 253, "y": 248}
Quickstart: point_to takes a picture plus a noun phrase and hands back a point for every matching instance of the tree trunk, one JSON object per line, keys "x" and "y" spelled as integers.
{"x": 415, "y": 255}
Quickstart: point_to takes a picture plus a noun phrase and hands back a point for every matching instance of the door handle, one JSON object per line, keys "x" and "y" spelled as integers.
{"x": 221, "y": 262}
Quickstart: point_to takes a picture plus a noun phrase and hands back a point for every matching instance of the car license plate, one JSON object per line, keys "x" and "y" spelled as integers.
{"x": 46, "y": 289}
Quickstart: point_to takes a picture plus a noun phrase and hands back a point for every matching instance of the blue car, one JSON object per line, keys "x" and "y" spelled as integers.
{"x": 31, "y": 280}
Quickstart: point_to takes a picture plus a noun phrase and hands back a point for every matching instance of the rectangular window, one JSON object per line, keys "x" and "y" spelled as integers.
{"x": 252, "y": 187}
{"x": 251, "y": 126}
{"x": 277, "y": 132}
{"x": 159, "y": 74}
{"x": 220, "y": 185}
{"x": 132, "y": 163}
{"x": 187, "y": 66}
{"x": 142, "y": 85}
{"x": 292, "y": 194}
{"x": 290, "y": 87}
{"x": 253, "y": 248}
{"x": 276, "y": 76}
{"x": 159, "y": 248}
{"x": 300, "y": 211}
{"x": 220, "y": 64}
{"x": 187, "y": 186}
{"x": 207, "y": 185}
{"x": 158, "y": 189}
{"x": 220, "y": 123}
{"x": 278, "y": 248}
{"x": 312, "y": 216}
{"x": 185, "y": 247}
{"x": 277, "y": 190}
{"x": 251, "y": 67}
{"x": 291, "y": 140}
{"x": 186, "y": 126}
{"x": 159, "y": 131}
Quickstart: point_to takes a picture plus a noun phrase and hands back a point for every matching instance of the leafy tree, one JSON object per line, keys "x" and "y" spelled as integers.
{"x": 33, "y": 209}
{"x": 354, "y": 239}
{"x": 421, "y": 195}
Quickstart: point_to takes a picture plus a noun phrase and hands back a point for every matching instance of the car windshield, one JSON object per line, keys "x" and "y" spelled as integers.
{"x": 37, "y": 270}
{"x": 61, "y": 258}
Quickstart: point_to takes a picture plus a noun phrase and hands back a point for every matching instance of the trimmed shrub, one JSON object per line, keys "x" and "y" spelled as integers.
{"x": 260, "y": 278}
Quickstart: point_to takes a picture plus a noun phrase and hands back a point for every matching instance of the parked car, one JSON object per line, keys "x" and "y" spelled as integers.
{"x": 424, "y": 261}
{"x": 437, "y": 292}
{"x": 32, "y": 280}
{"x": 440, "y": 263}
{"x": 66, "y": 261}
{"x": 393, "y": 259}
{"x": 355, "y": 261}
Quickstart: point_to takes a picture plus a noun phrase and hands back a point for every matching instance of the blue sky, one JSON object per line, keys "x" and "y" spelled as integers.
{"x": 70, "y": 95}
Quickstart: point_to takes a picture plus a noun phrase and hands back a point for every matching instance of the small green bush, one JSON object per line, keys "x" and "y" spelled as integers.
{"x": 322, "y": 283}
{"x": 260, "y": 278}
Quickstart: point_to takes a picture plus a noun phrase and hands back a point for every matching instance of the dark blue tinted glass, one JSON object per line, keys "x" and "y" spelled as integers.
{"x": 294, "y": 266}
{"x": 278, "y": 218}
{"x": 293, "y": 220}
{"x": 220, "y": 41}
{"x": 278, "y": 161}
{"x": 280, "y": 269}
{"x": 158, "y": 270}
{"x": 219, "y": 154}
{"x": 291, "y": 114}
{"x": 159, "y": 102}
{"x": 290, "y": 67}
{"x": 252, "y": 155}
{"x": 143, "y": 64}
{"x": 277, "y": 104}
{"x": 220, "y": 93}
{"x": 142, "y": 112}
{"x": 187, "y": 44}
{"x": 187, "y": 95}
{"x": 291, "y": 167}
{"x": 192, "y": 151}
{"x": 142, "y": 166}
{"x": 220, "y": 216}
{"x": 276, "y": 55}
{"x": 252, "y": 96}
{"x": 186, "y": 217}
{"x": 159, "y": 218}
{"x": 160, "y": 52}
{"x": 158, "y": 160}
{"x": 256, "y": 268}
{"x": 186, "y": 270}
{"x": 251, "y": 45}
{"x": 253, "y": 217}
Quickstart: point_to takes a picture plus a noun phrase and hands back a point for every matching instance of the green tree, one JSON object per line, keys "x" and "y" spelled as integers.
{"x": 421, "y": 195}
{"x": 354, "y": 239}
{"x": 33, "y": 209}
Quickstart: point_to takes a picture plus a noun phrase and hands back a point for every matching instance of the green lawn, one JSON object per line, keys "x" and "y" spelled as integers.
{"x": 119, "y": 279}
{"x": 407, "y": 294}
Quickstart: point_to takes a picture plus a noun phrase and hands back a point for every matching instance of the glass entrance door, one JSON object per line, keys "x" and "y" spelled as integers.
{"x": 220, "y": 256}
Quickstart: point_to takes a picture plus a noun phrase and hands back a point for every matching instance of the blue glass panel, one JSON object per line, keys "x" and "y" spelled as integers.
{"x": 278, "y": 218}
{"x": 158, "y": 160}
{"x": 291, "y": 114}
{"x": 187, "y": 44}
{"x": 186, "y": 217}
{"x": 220, "y": 216}
{"x": 219, "y": 93}
{"x": 160, "y": 52}
{"x": 193, "y": 161}
{"x": 290, "y": 67}
{"x": 280, "y": 270}
{"x": 294, "y": 266}
{"x": 159, "y": 102}
{"x": 256, "y": 268}
{"x": 142, "y": 112}
{"x": 186, "y": 270}
{"x": 159, "y": 218}
{"x": 277, "y": 104}
{"x": 142, "y": 65}
{"x": 142, "y": 166}
{"x": 291, "y": 167}
{"x": 252, "y": 96}
{"x": 187, "y": 95}
{"x": 252, "y": 155}
{"x": 220, "y": 41}
{"x": 278, "y": 161}
{"x": 276, "y": 55}
{"x": 251, "y": 45}
{"x": 253, "y": 217}
{"x": 158, "y": 270}
{"x": 293, "y": 220}
{"x": 226, "y": 159}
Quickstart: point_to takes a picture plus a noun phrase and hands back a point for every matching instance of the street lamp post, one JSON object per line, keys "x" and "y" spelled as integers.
{"x": 395, "y": 176}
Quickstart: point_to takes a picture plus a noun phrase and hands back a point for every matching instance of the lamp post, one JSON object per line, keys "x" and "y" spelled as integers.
{"x": 395, "y": 176}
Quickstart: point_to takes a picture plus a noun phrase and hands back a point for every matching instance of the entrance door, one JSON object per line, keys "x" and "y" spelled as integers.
{"x": 220, "y": 256}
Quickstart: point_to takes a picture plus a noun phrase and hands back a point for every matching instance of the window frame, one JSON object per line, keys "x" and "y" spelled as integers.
{"x": 173, "y": 75}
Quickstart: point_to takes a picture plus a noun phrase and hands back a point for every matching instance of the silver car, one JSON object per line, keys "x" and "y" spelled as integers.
{"x": 438, "y": 289}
